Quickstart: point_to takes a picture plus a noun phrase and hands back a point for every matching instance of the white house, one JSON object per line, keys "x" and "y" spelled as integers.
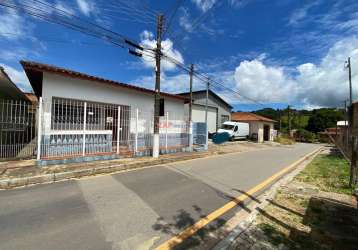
{"x": 261, "y": 127}
{"x": 84, "y": 115}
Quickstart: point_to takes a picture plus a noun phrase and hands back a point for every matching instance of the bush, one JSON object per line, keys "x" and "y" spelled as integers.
{"x": 303, "y": 135}
{"x": 284, "y": 139}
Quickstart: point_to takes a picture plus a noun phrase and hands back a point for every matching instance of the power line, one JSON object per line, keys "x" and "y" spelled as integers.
{"x": 196, "y": 22}
{"x": 61, "y": 18}
{"x": 206, "y": 78}
{"x": 128, "y": 10}
{"x": 64, "y": 18}
{"x": 176, "y": 7}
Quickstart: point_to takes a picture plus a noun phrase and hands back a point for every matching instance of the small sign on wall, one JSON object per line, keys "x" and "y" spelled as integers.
{"x": 109, "y": 119}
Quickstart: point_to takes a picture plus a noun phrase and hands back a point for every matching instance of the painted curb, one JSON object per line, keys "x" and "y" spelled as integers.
{"x": 62, "y": 176}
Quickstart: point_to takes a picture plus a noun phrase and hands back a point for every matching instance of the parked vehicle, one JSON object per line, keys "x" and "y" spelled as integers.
{"x": 236, "y": 130}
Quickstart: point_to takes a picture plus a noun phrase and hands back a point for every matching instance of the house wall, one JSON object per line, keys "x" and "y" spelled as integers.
{"x": 258, "y": 128}
{"x": 212, "y": 101}
{"x": 216, "y": 108}
{"x": 71, "y": 88}
{"x": 199, "y": 116}
{"x": 60, "y": 86}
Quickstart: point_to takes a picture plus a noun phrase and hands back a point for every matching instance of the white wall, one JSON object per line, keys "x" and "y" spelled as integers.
{"x": 66, "y": 87}
{"x": 258, "y": 127}
{"x": 198, "y": 115}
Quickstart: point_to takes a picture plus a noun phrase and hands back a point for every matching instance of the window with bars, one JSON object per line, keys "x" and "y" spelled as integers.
{"x": 68, "y": 114}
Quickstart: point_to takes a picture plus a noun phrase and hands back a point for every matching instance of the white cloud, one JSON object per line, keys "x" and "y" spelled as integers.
{"x": 312, "y": 85}
{"x": 12, "y": 25}
{"x": 86, "y": 6}
{"x": 171, "y": 84}
{"x": 18, "y": 77}
{"x": 204, "y": 5}
{"x": 261, "y": 82}
{"x": 64, "y": 7}
{"x": 301, "y": 13}
{"x": 184, "y": 20}
{"x": 148, "y": 40}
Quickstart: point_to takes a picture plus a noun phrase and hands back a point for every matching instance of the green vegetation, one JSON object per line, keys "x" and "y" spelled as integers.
{"x": 311, "y": 120}
{"x": 328, "y": 172}
{"x": 302, "y": 217}
{"x": 303, "y": 135}
{"x": 284, "y": 140}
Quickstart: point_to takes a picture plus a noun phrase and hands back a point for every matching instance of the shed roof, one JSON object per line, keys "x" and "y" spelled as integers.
{"x": 34, "y": 72}
{"x": 247, "y": 117}
{"x": 212, "y": 93}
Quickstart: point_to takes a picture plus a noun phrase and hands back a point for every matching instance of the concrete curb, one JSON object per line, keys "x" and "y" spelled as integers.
{"x": 11, "y": 183}
{"x": 67, "y": 175}
{"x": 242, "y": 226}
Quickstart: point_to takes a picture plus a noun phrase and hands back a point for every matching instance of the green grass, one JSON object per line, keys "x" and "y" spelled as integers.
{"x": 284, "y": 140}
{"x": 329, "y": 173}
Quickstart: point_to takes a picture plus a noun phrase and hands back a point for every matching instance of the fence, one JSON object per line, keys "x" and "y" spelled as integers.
{"x": 341, "y": 138}
{"x": 69, "y": 128}
{"x": 17, "y": 129}
{"x": 73, "y": 128}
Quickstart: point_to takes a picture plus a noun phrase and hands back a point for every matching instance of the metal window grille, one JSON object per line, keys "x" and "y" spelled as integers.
{"x": 83, "y": 128}
{"x": 17, "y": 129}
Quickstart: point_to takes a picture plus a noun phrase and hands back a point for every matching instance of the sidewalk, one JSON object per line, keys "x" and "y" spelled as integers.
{"x": 24, "y": 173}
{"x": 315, "y": 210}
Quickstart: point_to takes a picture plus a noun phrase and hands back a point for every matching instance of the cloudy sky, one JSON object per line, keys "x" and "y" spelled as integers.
{"x": 273, "y": 53}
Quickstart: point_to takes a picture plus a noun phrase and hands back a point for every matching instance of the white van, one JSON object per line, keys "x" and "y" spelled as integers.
{"x": 238, "y": 130}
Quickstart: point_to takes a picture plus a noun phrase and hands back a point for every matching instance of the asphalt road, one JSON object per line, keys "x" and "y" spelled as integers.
{"x": 138, "y": 209}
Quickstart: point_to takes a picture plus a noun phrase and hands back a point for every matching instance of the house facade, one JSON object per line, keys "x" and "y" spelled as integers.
{"x": 261, "y": 128}
{"x": 219, "y": 110}
{"x": 17, "y": 120}
{"x": 83, "y": 115}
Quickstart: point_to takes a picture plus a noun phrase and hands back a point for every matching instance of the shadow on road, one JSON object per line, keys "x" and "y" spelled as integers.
{"x": 205, "y": 236}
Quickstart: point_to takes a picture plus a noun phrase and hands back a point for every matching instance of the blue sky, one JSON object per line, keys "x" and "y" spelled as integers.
{"x": 274, "y": 52}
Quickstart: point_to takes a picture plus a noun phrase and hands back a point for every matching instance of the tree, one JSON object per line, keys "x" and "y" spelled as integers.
{"x": 324, "y": 118}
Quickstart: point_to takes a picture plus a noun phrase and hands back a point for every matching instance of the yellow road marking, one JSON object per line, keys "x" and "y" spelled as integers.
{"x": 228, "y": 206}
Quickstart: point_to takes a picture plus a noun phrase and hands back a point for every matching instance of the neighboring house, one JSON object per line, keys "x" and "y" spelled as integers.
{"x": 219, "y": 110}
{"x": 114, "y": 117}
{"x": 8, "y": 89}
{"x": 17, "y": 120}
{"x": 260, "y": 127}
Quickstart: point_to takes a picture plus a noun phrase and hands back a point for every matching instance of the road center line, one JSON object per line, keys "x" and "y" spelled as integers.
{"x": 228, "y": 206}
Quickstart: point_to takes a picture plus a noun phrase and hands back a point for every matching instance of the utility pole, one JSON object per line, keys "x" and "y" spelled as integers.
{"x": 289, "y": 120}
{"x": 158, "y": 54}
{"x": 191, "y": 73}
{"x": 280, "y": 125}
{"x": 352, "y": 139}
{"x": 206, "y": 115}
{"x": 350, "y": 80}
{"x": 346, "y": 124}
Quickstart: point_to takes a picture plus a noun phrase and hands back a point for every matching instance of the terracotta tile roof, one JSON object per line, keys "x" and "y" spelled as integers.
{"x": 33, "y": 67}
{"x": 247, "y": 117}
{"x": 32, "y": 97}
